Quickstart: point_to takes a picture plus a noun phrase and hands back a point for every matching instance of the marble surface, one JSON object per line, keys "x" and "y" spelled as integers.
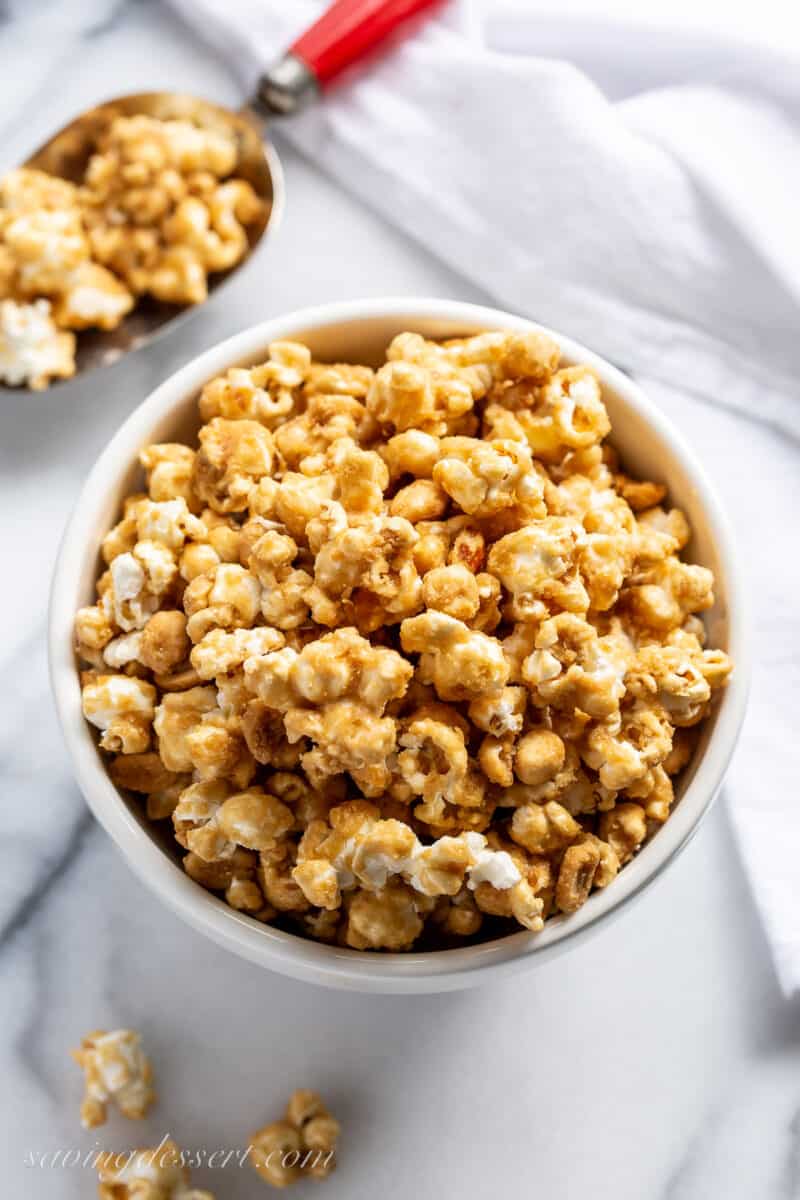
{"x": 657, "y": 1061}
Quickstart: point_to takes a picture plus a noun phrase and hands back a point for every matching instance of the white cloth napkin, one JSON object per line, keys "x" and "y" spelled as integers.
{"x": 644, "y": 201}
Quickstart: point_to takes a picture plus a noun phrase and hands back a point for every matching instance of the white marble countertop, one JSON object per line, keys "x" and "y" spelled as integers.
{"x": 656, "y": 1061}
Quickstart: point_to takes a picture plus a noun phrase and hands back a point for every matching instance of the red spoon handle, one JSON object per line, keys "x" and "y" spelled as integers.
{"x": 348, "y": 30}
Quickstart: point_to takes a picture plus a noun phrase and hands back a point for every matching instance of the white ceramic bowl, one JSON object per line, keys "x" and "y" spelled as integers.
{"x": 359, "y": 332}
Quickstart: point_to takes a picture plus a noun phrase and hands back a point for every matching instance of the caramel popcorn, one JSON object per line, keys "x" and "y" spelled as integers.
{"x": 159, "y": 207}
{"x": 390, "y": 873}
{"x": 401, "y": 654}
{"x": 484, "y": 478}
{"x": 47, "y": 279}
{"x": 155, "y": 213}
{"x": 122, "y": 707}
{"x": 33, "y": 350}
{"x": 453, "y": 590}
{"x": 153, "y": 1173}
{"x": 461, "y": 663}
{"x": 168, "y": 468}
{"x": 115, "y": 1070}
{"x": 269, "y": 393}
{"x": 537, "y": 566}
{"x": 301, "y": 1146}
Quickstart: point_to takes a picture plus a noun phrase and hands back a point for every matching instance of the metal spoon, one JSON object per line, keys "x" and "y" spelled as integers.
{"x": 346, "y": 32}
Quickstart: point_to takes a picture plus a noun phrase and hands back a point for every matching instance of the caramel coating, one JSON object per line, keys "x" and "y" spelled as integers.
{"x": 150, "y": 1173}
{"x": 157, "y": 211}
{"x": 302, "y": 1145}
{"x": 116, "y": 1070}
{"x": 402, "y": 654}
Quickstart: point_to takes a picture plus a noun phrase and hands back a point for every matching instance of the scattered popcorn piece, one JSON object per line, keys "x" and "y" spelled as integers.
{"x": 302, "y": 1145}
{"x": 154, "y": 1173}
{"x": 116, "y": 1070}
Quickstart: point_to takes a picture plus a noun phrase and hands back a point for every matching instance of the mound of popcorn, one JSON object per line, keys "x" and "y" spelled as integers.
{"x": 158, "y": 210}
{"x": 404, "y": 655}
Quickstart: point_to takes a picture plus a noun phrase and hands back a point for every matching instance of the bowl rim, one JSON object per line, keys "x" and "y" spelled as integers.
{"x": 287, "y": 952}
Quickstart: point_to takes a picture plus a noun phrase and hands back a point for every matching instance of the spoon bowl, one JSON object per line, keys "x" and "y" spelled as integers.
{"x": 346, "y": 32}
{"x": 67, "y": 155}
